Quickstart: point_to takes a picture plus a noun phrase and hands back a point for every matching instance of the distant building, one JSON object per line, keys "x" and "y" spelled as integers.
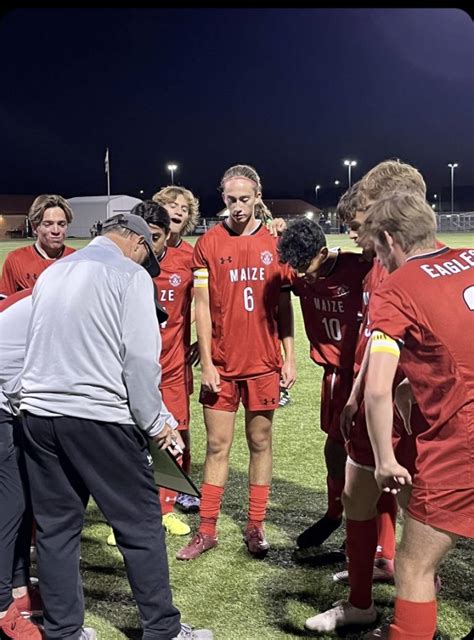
{"x": 89, "y": 209}
{"x": 13, "y": 212}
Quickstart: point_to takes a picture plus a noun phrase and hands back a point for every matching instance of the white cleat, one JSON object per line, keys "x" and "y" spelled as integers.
{"x": 342, "y": 614}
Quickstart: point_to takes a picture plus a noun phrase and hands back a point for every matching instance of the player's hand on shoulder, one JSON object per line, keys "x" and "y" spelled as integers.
{"x": 210, "y": 379}
{"x": 276, "y": 227}
{"x": 391, "y": 476}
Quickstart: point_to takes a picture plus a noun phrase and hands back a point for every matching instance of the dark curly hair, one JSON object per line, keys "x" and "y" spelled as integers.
{"x": 153, "y": 213}
{"x": 301, "y": 241}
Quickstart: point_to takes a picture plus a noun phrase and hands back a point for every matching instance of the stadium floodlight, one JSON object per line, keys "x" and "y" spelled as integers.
{"x": 172, "y": 168}
{"x": 337, "y": 183}
{"x": 452, "y": 167}
{"x": 316, "y": 189}
{"x": 349, "y": 164}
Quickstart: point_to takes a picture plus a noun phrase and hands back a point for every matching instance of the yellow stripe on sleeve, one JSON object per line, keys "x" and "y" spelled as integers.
{"x": 381, "y": 343}
{"x": 201, "y": 278}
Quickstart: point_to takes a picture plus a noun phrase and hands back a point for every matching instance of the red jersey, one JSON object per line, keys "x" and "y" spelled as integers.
{"x": 372, "y": 281}
{"x": 428, "y": 306}
{"x": 245, "y": 281}
{"x": 331, "y": 307}
{"x": 175, "y": 291}
{"x": 22, "y": 268}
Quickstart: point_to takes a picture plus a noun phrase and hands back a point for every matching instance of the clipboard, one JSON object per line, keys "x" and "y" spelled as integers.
{"x": 168, "y": 473}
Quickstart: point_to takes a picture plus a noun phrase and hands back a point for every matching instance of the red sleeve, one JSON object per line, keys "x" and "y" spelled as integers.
{"x": 391, "y": 312}
{"x": 199, "y": 259}
{"x": 7, "y": 279}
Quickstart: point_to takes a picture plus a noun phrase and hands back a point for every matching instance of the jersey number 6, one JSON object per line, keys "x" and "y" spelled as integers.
{"x": 249, "y": 303}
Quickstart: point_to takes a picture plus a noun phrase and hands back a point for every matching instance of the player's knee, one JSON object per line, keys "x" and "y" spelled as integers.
{"x": 217, "y": 448}
{"x": 259, "y": 443}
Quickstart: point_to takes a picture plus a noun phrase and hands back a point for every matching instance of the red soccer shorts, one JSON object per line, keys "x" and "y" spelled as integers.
{"x": 176, "y": 399}
{"x": 335, "y": 391}
{"x": 443, "y": 489}
{"x": 359, "y": 447}
{"x": 257, "y": 394}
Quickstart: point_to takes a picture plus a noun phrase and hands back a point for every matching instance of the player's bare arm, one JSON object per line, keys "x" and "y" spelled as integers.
{"x": 286, "y": 330}
{"x": 210, "y": 378}
{"x": 384, "y": 357}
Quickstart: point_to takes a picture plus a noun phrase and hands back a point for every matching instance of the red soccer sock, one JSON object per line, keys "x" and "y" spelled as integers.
{"x": 335, "y": 488}
{"x": 258, "y": 501}
{"x": 387, "y": 508}
{"x": 361, "y": 546}
{"x": 415, "y": 620}
{"x": 167, "y": 500}
{"x": 211, "y": 498}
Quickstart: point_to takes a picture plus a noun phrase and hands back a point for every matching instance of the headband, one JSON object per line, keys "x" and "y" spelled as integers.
{"x": 240, "y": 178}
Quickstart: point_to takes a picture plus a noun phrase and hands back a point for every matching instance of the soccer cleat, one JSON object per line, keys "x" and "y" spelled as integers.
{"x": 200, "y": 543}
{"x": 284, "y": 398}
{"x": 188, "y": 633}
{"x": 187, "y": 504}
{"x": 383, "y": 572}
{"x": 342, "y": 614}
{"x": 13, "y": 625}
{"x": 31, "y": 604}
{"x": 174, "y": 526}
{"x": 381, "y": 633}
{"x": 88, "y": 633}
{"x": 317, "y": 533}
{"x": 257, "y": 545}
{"x": 111, "y": 539}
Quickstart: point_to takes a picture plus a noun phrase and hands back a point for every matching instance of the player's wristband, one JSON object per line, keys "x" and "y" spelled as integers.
{"x": 201, "y": 278}
{"x": 382, "y": 343}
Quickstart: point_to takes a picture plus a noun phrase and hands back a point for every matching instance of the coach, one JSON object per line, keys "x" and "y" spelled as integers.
{"x": 90, "y": 398}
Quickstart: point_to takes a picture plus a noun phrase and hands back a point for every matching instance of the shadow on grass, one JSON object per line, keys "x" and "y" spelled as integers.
{"x": 285, "y": 599}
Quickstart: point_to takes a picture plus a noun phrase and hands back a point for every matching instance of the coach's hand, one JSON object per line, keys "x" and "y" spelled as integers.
{"x": 347, "y": 418}
{"x": 288, "y": 374}
{"x": 391, "y": 476}
{"x": 192, "y": 354}
{"x": 276, "y": 226}
{"x": 168, "y": 437}
{"x": 210, "y": 379}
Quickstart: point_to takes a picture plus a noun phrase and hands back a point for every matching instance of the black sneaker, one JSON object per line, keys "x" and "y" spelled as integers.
{"x": 318, "y": 532}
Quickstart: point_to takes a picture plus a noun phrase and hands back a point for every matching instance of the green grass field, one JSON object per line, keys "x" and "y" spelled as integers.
{"x": 245, "y": 599}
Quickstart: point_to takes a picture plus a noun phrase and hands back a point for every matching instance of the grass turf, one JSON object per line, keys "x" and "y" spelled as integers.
{"x": 238, "y": 597}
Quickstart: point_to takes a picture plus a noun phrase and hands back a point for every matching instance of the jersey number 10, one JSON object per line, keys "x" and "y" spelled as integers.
{"x": 333, "y": 328}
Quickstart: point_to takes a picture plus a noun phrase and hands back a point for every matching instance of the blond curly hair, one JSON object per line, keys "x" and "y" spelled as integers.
{"x": 167, "y": 195}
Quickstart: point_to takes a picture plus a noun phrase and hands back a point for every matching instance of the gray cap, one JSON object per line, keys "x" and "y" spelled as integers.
{"x": 139, "y": 226}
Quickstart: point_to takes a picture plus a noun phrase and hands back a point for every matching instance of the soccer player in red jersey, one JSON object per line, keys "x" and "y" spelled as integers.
{"x": 243, "y": 308}
{"x": 49, "y": 216}
{"x": 183, "y": 209}
{"x": 329, "y": 285}
{"x": 362, "y": 499}
{"x": 412, "y": 324}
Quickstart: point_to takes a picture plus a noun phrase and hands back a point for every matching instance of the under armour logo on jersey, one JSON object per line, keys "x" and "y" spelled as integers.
{"x": 266, "y": 401}
{"x": 228, "y": 259}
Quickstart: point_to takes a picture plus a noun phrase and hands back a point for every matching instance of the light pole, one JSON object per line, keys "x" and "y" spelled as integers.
{"x": 316, "y": 188}
{"x": 452, "y": 167}
{"x": 349, "y": 164}
{"x": 172, "y": 168}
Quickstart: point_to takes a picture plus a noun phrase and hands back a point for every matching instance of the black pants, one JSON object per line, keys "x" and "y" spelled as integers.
{"x": 15, "y": 510}
{"x": 69, "y": 459}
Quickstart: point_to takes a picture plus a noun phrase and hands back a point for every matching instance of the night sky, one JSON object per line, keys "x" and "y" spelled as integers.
{"x": 291, "y": 91}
